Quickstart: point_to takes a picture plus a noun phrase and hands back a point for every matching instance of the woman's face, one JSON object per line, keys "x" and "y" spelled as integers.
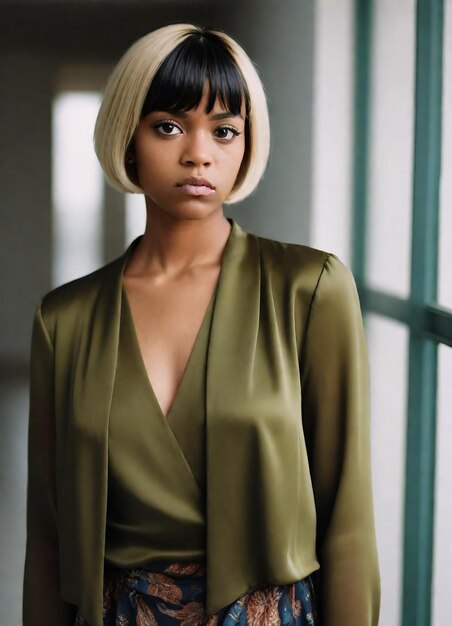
{"x": 170, "y": 148}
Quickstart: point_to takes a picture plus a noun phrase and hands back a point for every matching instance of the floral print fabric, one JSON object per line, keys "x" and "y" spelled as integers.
{"x": 172, "y": 594}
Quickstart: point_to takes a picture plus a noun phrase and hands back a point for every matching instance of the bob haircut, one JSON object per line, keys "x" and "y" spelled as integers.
{"x": 167, "y": 70}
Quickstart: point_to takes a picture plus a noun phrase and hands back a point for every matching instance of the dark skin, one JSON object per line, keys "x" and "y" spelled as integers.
{"x": 173, "y": 272}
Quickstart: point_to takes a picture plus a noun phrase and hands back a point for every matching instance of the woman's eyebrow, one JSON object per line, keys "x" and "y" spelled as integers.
{"x": 225, "y": 114}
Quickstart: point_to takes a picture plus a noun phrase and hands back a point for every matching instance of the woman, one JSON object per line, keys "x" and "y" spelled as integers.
{"x": 199, "y": 420}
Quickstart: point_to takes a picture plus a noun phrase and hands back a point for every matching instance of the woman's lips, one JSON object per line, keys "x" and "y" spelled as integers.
{"x": 196, "y": 190}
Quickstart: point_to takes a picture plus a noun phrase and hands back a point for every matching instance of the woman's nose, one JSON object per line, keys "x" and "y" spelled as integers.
{"x": 197, "y": 150}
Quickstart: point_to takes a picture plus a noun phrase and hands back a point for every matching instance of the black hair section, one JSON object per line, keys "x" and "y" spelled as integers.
{"x": 179, "y": 82}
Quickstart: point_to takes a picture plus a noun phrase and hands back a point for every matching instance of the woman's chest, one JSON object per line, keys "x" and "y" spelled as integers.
{"x": 166, "y": 323}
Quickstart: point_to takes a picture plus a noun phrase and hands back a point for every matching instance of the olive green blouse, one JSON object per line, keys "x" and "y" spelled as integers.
{"x": 287, "y": 440}
{"x": 156, "y": 502}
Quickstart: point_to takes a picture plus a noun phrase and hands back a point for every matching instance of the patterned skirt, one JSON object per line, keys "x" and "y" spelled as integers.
{"x": 171, "y": 594}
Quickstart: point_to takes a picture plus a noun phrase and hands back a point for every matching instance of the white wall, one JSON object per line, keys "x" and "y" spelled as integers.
{"x": 332, "y": 128}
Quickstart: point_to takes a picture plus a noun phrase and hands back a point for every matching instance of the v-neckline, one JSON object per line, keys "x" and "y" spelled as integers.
{"x": 140, "y": 359}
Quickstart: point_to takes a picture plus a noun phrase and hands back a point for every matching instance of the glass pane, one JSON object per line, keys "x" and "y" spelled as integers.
{"x": 77, "y": 187}
{"x": 445, "y": 238}
{"x": 332, "y": 131}
{"x": 135, "y": 216}
{"x": 388, "y": 350}
{"x": 391, "y": 147}
{"x": 442, "y": 596}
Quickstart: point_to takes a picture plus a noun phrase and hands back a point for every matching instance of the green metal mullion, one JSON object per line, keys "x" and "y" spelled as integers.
{"x": 362, "y": 57}
{"x": 439, "y": 324}
{"x": 386, "y": 305}
{"x": 420, "y": 483}
{"x": 432, "y": 321}
{"x": 421, "y": 432}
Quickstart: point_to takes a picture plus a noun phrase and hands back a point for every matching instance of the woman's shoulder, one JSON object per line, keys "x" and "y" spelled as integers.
{"x": 289, "y": 252}
{"x": 297, "y": 260}
{"x": 76, "y": 298}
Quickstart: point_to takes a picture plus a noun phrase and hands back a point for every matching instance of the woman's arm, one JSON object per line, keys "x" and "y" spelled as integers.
{"x": 336, "y": 420}
{"x": 42, "y": 605}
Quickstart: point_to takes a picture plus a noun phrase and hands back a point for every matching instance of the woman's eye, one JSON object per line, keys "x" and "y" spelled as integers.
{"x": 224, "y": 130}
{"x": 167, "y": 128}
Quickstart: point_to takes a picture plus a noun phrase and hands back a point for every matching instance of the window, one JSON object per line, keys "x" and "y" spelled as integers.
{"x": 399, "y": 208}
{"x": 77, "y": 187}
{"x": 400, "y": 259}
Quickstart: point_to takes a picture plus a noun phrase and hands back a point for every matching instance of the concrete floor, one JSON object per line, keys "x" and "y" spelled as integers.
{"x": 13, "y": 480}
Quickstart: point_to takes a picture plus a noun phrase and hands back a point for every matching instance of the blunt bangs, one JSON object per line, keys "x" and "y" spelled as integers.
{"x": 198, "y": 60}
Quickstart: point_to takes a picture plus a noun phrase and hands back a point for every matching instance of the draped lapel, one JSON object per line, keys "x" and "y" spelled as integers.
{"x": 253, "y": 422}
{"x": 84, "y": 480}
{"x": 229, "y": 386}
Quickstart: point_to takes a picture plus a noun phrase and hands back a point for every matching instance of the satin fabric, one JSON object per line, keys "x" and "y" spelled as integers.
{"x": 156, "y": 500}
{"x": 287, "y": 434}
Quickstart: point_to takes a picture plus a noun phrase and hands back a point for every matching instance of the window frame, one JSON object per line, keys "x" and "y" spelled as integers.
{"x": 428, "y": 323}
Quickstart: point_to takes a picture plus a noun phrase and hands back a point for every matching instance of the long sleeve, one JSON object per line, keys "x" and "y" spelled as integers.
{"x": 336, "y": 421}
{"x": 42, "y": 605}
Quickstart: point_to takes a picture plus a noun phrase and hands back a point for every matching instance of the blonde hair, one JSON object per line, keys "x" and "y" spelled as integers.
{"x": 126, "y": 90}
